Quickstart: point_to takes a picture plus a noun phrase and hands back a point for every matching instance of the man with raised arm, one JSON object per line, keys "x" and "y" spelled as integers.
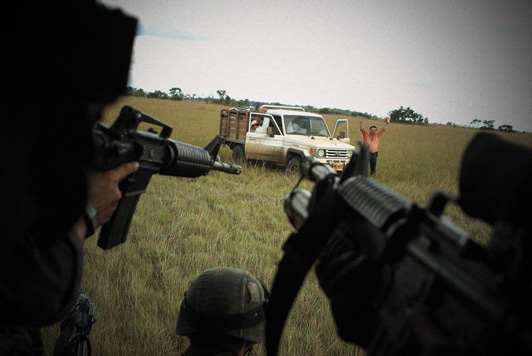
{"x": 372, "y": 139}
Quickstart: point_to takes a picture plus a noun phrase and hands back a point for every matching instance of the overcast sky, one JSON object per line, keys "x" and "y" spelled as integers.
{"x": 451, "y": 61}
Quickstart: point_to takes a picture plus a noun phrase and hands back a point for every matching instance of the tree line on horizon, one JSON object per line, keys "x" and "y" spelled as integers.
{"x": 403, "y": 115}
{"x": 224, "y": 99}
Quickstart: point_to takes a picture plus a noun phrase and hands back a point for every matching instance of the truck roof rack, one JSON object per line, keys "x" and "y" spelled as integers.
{"x": 256, "y": 106}
{"x": 283, "y": 107}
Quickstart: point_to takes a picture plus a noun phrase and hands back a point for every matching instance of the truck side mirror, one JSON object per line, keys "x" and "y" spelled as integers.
{"x": 270, "y": 131}
{"x": 342, "y": 135}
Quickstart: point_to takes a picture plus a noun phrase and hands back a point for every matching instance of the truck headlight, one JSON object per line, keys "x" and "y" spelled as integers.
{"x": 321, "y": 153}
{"x": 350, "y": 154}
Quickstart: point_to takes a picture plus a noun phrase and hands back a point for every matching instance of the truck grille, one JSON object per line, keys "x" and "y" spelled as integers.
{"x": 336, "y": 153}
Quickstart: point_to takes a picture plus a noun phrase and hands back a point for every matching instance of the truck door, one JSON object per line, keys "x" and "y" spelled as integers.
{"x": 267, "y": 143}
{"x": 342, "y": 135}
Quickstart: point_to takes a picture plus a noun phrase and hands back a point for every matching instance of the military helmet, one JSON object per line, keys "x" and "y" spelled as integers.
{"x": 224, "y": 300}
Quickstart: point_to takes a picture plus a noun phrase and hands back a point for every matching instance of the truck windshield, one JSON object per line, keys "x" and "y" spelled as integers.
{"x": 305, "y": 125}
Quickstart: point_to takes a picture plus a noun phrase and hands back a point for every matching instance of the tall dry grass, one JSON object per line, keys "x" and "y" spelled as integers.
{"x": 184, "y": 226}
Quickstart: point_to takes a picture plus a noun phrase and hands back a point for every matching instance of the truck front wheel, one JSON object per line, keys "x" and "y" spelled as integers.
{"x": 238, "y": 154}
{"x": 294, "y": 166}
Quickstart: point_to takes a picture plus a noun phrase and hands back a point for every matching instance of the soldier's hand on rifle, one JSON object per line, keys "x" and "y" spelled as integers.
{"x": 349, "y": 281}
{"x": 104, "y": 197}
{"x": 105, "y": 194}
{"x": 341, "y": 278}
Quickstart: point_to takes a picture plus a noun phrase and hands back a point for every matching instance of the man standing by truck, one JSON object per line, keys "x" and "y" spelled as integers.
{"x": 372, "y": 139}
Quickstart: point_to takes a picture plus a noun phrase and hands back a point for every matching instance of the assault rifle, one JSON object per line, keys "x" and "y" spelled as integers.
{"x": 75, "y": 329}
{"x": 402, "y": 279}
{"x": 156, "y": 153}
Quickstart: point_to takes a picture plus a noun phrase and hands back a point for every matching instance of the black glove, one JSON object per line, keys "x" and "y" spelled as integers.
{"x": 344, "y": 275}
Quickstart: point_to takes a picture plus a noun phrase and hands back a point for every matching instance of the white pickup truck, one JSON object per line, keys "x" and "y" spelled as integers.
{"x": 284, "y": 136}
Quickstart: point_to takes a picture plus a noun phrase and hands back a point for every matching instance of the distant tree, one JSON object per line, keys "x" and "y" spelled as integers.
{"x": 157, "y": 95}
{"x": 222, "y": 94}
{"x": 506, "y": 128}
{"x": 406, "y": 115}
{"x": 176, "y": 94}
{"x": 135, "y": 92}
{"x": 488, "y": 125}
{"x": 475, "y": 123}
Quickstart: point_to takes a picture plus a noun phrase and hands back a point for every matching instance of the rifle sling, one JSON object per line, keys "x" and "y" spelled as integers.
{"x": 301, "y": 250}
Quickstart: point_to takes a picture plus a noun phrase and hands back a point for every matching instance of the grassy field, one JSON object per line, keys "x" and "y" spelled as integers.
{"x": 184, "y": 226}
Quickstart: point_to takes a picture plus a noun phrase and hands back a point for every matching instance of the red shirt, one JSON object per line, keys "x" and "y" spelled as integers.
{"x": 372, "y": 140}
